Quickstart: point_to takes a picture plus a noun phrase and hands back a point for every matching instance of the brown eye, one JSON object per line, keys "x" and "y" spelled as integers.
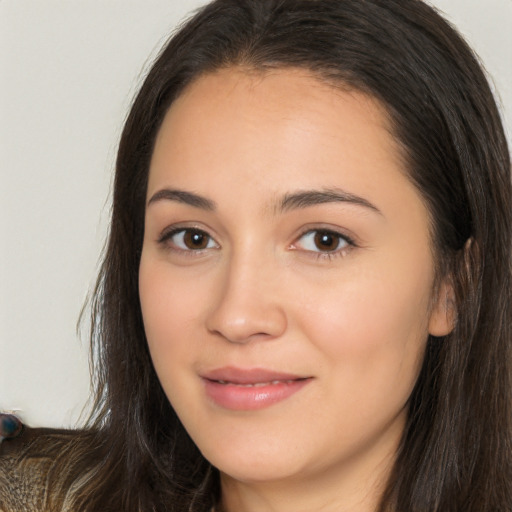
{"x": 190, "y": 239}
{"x": 326, "y": 241}
{"x": 322, "y": 241}
{"x": 195, "y": 239}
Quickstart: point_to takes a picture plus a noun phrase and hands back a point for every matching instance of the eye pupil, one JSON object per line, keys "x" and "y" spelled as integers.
{"x": 195, "y": 239}
{"x": 326, "y": 241}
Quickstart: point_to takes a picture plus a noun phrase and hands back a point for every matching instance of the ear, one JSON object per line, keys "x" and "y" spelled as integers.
{"x": 443, "y": 314}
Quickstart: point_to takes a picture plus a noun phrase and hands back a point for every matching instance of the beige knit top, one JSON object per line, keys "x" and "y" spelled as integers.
{"x": 25, "y": 463}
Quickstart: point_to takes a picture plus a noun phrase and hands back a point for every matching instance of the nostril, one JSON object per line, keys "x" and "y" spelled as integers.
{"x": 243, "y": 325}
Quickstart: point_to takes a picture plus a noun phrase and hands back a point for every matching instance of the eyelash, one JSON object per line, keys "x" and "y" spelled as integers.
{"x": 328, "y": 254}
{"x": 167, "y": 236}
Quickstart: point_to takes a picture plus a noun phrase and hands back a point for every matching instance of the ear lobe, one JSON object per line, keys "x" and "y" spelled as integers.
{"x": 443, "y": 314}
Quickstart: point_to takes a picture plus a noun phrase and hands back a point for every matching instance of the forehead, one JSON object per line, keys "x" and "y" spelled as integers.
{"x": 281, "y": 116}
{"x": 287, "y": 93}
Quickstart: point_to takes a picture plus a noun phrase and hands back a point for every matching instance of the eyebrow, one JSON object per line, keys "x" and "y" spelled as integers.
{"x": 304, "y": 199}
{"x": 181, "y": 196}
{"x": 291, "y": 201}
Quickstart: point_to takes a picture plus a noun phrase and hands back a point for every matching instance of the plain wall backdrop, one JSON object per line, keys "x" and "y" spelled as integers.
{"x": 68, "y": 72}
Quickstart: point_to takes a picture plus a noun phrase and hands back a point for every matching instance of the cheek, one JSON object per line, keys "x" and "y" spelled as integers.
{"x": 169, "y": 310}
{"x": 372, "y": 328}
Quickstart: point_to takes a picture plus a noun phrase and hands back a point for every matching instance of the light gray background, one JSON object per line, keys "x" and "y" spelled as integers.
{"x": 68, "y": 71}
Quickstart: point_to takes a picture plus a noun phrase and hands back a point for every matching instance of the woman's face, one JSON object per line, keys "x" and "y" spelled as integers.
{"x": 286, "y": 277}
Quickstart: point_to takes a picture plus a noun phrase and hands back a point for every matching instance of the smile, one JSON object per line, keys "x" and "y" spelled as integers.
{"x": 246, "y": 390}
{"x": 255, "y": 384}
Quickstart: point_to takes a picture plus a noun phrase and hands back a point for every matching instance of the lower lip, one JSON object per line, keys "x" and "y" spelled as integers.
{"x": 249, "y": 398}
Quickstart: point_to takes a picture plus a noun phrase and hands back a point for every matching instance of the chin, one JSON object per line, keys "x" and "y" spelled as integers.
{"x": 256, "y": 466}
{"x": 251, "y": 472}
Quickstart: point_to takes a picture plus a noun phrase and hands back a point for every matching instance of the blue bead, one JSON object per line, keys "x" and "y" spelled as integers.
{"x": 10, "y": 426}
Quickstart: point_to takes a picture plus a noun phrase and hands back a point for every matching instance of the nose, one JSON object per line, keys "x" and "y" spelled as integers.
{"x": 247, "y": 305}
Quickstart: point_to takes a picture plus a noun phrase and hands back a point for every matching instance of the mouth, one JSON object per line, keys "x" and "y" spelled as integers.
{"x": 250, "y": 389}
{"x": 256, "y": 384}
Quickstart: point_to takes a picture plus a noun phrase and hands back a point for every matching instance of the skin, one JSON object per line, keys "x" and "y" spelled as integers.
{"x": 353, "y": 316}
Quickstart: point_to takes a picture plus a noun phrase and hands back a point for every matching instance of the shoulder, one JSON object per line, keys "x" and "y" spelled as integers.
{"x": 27, "y": 460}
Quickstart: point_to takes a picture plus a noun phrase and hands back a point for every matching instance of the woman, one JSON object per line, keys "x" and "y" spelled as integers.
{"x": 305, "y": 299}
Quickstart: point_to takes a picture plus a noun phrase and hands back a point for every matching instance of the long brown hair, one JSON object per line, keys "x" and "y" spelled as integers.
{"x": 456, "y": 452}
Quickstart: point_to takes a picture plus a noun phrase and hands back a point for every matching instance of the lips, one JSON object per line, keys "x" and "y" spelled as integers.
{"x": 257, "y": 384}
{"x": 250, "y": 389}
